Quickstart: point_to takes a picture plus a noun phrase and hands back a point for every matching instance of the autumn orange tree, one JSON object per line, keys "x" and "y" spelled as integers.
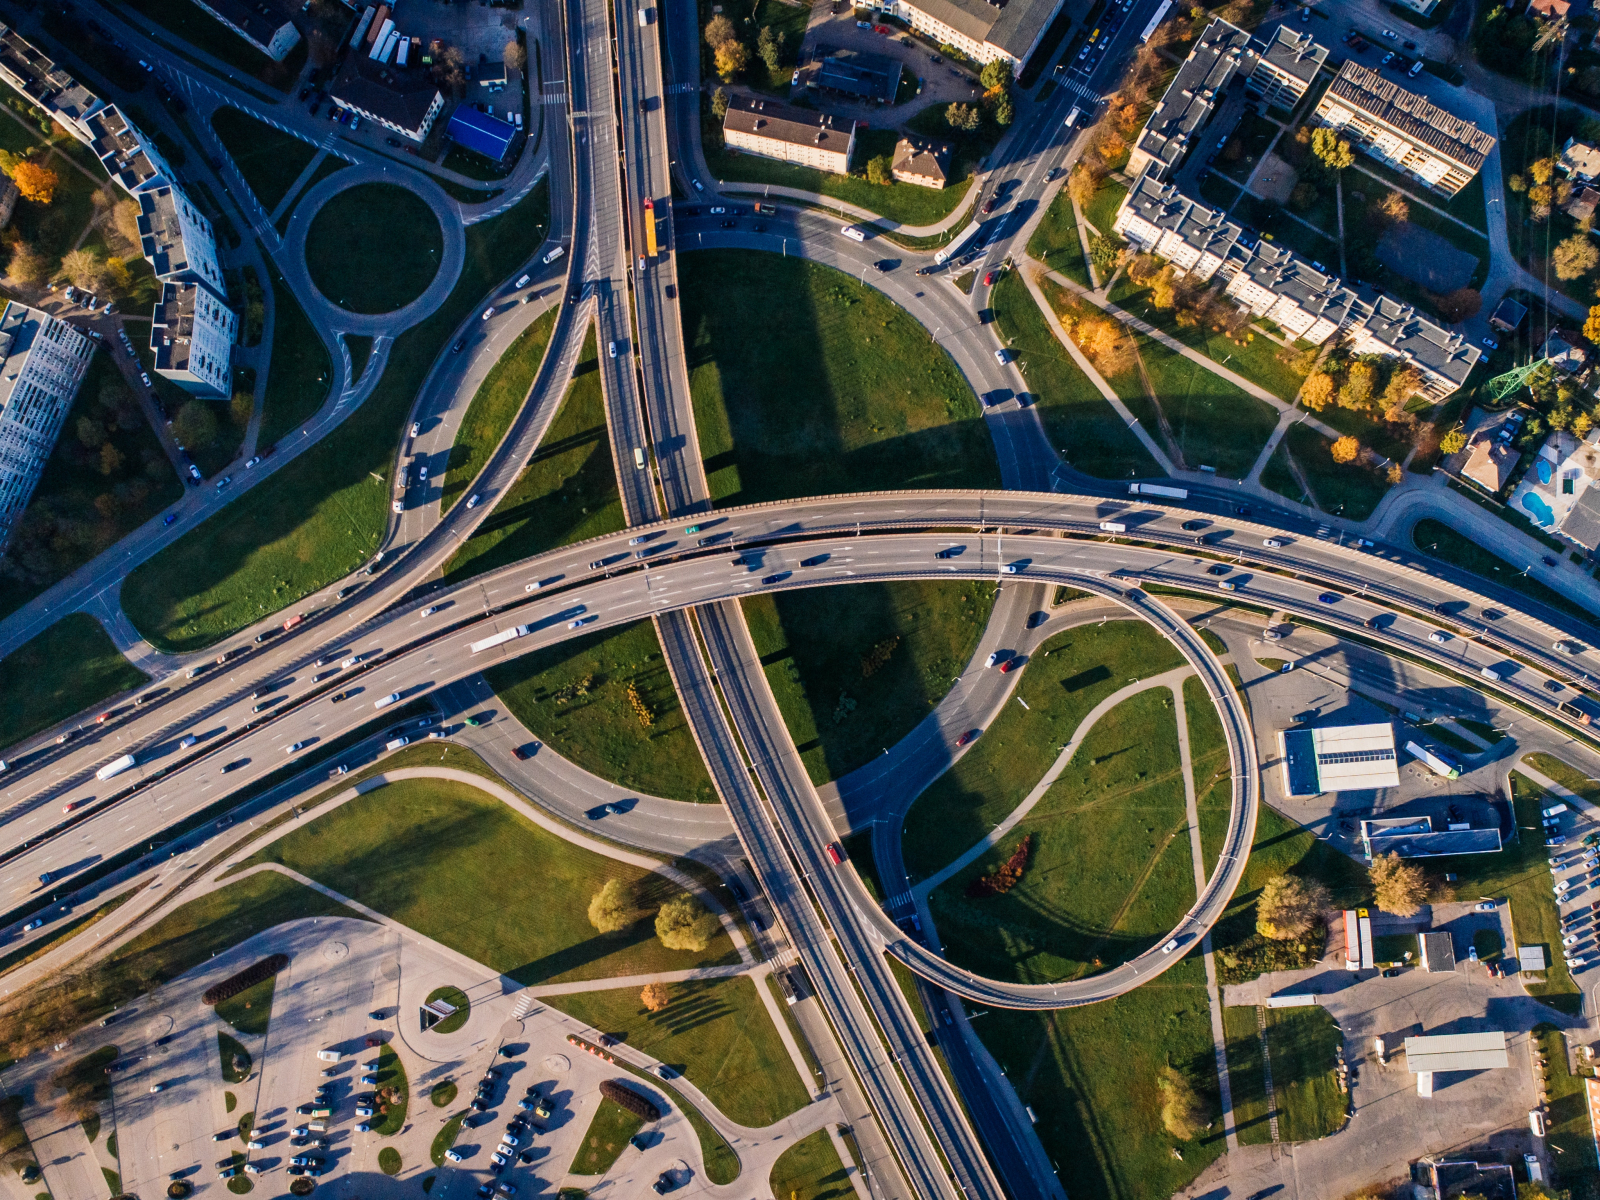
{"x": 35, "y": 183}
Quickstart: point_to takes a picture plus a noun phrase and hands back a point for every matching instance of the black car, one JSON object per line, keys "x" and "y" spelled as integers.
{"x": 727, "y": 224}
{"x": 882, "y": 265}
{"x": 1193, "y": 525}
{"x": 304, "y": 92}
{"x": 1548, "y": 561}
{"x": 926, "y": 270}
{"x": 234, "y": 765}
{"x": 1392, "y": 972}
{"x": 460, "y": 345}
{"x": 393, "y": 141}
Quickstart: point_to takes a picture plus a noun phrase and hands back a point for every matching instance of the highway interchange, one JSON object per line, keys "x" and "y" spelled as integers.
{"x": 691, "y": 591}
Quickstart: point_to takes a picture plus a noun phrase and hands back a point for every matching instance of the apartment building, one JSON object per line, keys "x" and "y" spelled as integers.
{"x": 1286, "y": 67}
{"x": 1280, "y": 286}
{"x": 1404, "y": 130}
{"x": 1196, "y": 90}
{"x": 127, "y": 155}
{"x": 192, "y": 334}
{"x": 792, "y": 135}
{"x": 265, "y": 24}
{"x": 42, "y": 363}
{"x": 401, "y": 99}
{"x": 32, "y": 73}
{"x": 178, "y": 240}
{"x": 984, "y": 30}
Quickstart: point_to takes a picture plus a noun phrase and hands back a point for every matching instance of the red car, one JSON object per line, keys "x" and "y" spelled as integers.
{"x": 967, "y": 737}
{"x": 988, "y": 205}
{"x": 835, "y": 853}
{"x": 988, "y": 280}
{"x": 70, "y": 805}
{"x": 1009, "y": 666}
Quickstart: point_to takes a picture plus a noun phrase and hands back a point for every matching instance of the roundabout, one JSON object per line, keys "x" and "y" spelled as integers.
{"x": 373, "y": 248}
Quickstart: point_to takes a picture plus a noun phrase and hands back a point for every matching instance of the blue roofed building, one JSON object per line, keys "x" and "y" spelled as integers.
{"x": 481, "y": 133}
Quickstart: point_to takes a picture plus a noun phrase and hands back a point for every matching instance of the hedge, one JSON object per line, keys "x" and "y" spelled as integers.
{"x": 245, "y": 979}
{"x": 625, "y": 1097}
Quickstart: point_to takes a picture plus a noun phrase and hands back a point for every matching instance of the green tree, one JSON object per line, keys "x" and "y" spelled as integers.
{"x": 880, "y": 169}
{"x": 1331, "y": 150}
{"x": 1398, "y": 886}
{"x": 770, "y": 48}
{"x": 1184, "y": 1113}
{"x": 719, "y": 103}
{"x": 1575, "y": 256}
{"x": 719, "y": 30}
{"x": 1104, "y": 250}
{"x": 1005, "y": 110}
{"x": 611, "y": 908}
{"x": 683, "y": 924}
{"x": 195, "y": 425}
{"x": 995, "y": 75}
{"x": 963, "y": 117}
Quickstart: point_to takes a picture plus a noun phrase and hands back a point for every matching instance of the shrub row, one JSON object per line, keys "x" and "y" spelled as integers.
{"x": 625, "y": 1097}
{"x": 247, "y": 978}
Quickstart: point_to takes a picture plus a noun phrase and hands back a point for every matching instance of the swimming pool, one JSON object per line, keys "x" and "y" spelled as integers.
{"x": 1536, "y": 505}
{"x": 1544, "y": 470}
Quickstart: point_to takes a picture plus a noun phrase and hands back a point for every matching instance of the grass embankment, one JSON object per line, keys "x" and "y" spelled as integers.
{"x": 579, "y": 697}
{"x": 1343, "y": 489}
{"x": 1213, "y": 773}
{"x": 499, "y": 398}
{"x": 251, "y": 1010}
{"x": 1080, "y": 423}
{"x": 883, "y": 407}
{"x": 1303, "y": 1043}
{"x": 606, "y": 1139}
{"x": 463, "y": 1006}
{"x": 269, "y": 159}
{"x": 68, "y": 668}
{"x": 1056, "y": 243}
{"x": 321, "y": 516}
{"x": 1091, "y": 1073}
{"x": 1458, "y": 550}
{"x": 453, "y": 863}
{"x": 1567, "y": 776}
{"x": 1065, "y": 678}
{"x": 855, "y": 669}
{"x": 188, "y": 936}
{"x": 297, "y": 379}
{"x": 810, "y": 1170}
{"x": 715, "y": 1033}
{"x": 1073, "y": 914}
{"x": 79, "y": 508}
{"x": 567, "y": 493}
{"x": 369, "y": 265}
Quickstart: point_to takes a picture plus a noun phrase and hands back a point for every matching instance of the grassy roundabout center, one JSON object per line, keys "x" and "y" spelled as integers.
{"x": 367, "y": 263}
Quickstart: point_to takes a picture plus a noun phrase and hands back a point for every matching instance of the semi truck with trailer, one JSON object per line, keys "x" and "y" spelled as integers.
{"x": 1438, "y": 763}
{"x": 1158, "y": 489}
{"x": 116, "y": 767}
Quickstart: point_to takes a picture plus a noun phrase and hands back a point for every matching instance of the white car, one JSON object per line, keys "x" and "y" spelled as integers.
{"x": 472, "y": 501}
{"x": 363, "y": 1110}
{"x": 1439, "y": 636}
{"x": 1391, "y": 35}
{"x": 1000, "y": 357}
{"x": 299, "y": 1131}
{"x": 416, "y": 428}
{"x": 487, "y": 313}
{"x": 251, "y": 1169}
{"x": 1563, "y": 886}
{"x": 1577, "y": 962}
{"x": 255, "y": 1145}
{"x": 187, "y": 741}
{"x": 1571, "y": 939}
{"x": 364, "y": 1127}
{"x": 430, "y": 610}
{"x": 296, "y": 748}
{"x": 369, "y": 1080}
{"x": 498, "y": 1160}
{"x": 993, "y": 658}
{"x": 534, "y": 586}
{"x": 422, "y": 474}
{"x": 453, "y": 1156}
{"x": 1486, "y": 906}
{"x": 523, "y": 282}
{"x": 612, "y": 347}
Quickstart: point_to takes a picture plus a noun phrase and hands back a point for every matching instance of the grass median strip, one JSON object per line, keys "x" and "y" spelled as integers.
{"x": 453, "y": 863}
{"x": 810, "y": 1170}
{"x": 494, "y": 407}
{"x": 567, "y": 493}
{"x": 715, "y": 1033}
{"x": 883, "y": 406}
{"x": 297, "y": 379}
{"x": 269, "y": 159}
{"x": 855, "y": 669}
{"x": 606, "y": 1139}
{"x": 321, "y": 516}
{"x": 606, "y": 702}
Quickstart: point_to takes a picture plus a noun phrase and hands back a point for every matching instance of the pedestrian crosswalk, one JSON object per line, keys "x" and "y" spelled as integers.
{"x": 525, "y": 1003}
{"x": 1081, "y": 91}
{"x": 682, "y": 89}
{"x": 903, "y": 900}
{"x": 554, "y": 96}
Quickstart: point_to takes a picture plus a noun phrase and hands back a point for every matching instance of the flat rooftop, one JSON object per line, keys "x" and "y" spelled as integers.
{"x": 1457, "y": 1052}
{"x": 1344, "y": 758}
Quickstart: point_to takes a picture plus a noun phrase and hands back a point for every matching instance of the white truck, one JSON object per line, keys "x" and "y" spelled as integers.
{"x": 499, "y": 639}
{"x": 116, "y": 767}
{"x": 1158, "y": 489}
{"x": 554, "y": 254}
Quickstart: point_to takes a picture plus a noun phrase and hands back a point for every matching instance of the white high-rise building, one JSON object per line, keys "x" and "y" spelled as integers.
{"x": 178, "y": 240}
{"x": 192, "y": 334}
{"x": 42, "y": 362}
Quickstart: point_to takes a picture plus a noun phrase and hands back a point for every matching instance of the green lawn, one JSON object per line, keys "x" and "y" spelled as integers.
{"x": 716, "y": 1033}
{"x": 389, "y": 1161}
{"x": 841, "y": 707}
{"x": 182, "y": 940}
{"x": 499, "y": 399}
{"x": 1076, "y": 913}
{"x": 463, "y": 1007}
{"x": 1247, "y": 1082}
{"x": 1102, "y": 210}
{"x": 251, "y": 1010}
{"x": 1278, "y": 477}
{"x": 1090, "y": 1074}
{"x": 567, "y": 493}
{"x": 1439, "y": 540}
{"x": 78, "y": 511}
{"x": 234, "y": 1057}
{"x": 1213, "y": 774}
{"x": 299, "y": 372}
{"x": 1568, "y": 1128}
{"x": 322, "y": 516}
{"x": 1079, "y": 422}
{"x": 330, "y": 164}
{"x": 810, "y": 1170}
{"x": 366, "y": 264}
{"x": 1066, "y": 677}
{"x": 70, "y": 667}
{"x": 1303, "y": 1043}
{"x": 1394, "y": 947}
{"x": 903, "y": 203}
{"x": 443, "y": 1093}
{"x": 269, "y": 159}
{"x": 1348, "y": 489}
{"x": 446, "y": 1138}
{"x": 392, "y": 1075}
{"x": 1216, "y": 423}
{"x": 882, "y": 407}
{"x": 1567, "y": 776}
{"x": 575, "y": 697}
{"x": 606, "y": 1139}
{"x": 1056, "y": 243}
{"x": 453, "y": 863}
{"x": 42, "y": 946}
